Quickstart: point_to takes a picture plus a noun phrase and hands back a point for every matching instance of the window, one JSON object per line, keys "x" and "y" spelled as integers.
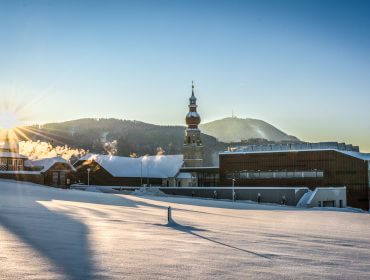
{"x": 274, "y": 174}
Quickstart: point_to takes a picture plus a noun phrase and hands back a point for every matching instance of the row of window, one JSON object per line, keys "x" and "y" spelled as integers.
{"x": 274, "y": 174}
{"x": 11, "y": 164}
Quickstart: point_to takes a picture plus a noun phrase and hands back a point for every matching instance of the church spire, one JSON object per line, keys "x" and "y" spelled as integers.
{"x": 192, "y": 99}
{"x": 193, "y": 147}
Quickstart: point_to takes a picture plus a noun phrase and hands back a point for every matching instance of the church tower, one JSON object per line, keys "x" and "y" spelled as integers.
{"x": 193, "y": 147}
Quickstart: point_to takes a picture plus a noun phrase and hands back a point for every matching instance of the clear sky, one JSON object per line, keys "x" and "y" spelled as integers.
{"x": 303, "y": 66}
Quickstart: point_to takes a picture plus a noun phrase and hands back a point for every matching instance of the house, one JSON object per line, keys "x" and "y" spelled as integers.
{"x": 10, "y": 159}
{"x": 111, "y": 170}
{"x": 54, "y": 171}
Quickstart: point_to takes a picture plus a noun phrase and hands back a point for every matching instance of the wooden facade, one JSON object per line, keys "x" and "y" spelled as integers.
{"x": 59, "y": 175}
{"x": 100, "y": 176}
{"x": 332, "y": 168}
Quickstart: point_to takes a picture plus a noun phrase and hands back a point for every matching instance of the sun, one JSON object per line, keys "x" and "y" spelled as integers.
{"x": 8, "y": 120}
{"x": 11, "y": 126}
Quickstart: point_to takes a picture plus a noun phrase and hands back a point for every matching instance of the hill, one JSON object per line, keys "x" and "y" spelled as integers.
{"x": 130, "y": 138}
{"x": 122, "y": 137}
{"x": 236, "y": 129}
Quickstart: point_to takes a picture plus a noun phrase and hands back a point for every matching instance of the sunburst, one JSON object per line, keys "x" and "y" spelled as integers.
{"x": 10, "y": 126}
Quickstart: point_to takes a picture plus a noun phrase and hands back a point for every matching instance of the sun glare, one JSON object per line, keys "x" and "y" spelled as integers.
{"x": 11, "y": 125}
{"x": 8, "y": 121}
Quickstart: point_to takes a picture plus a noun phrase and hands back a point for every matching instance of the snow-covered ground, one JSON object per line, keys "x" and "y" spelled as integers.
{"x": 48, "y": 233}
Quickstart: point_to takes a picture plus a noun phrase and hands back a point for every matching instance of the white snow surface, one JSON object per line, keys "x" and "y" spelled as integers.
{"x": 48, "y": 233}
{"x": 160, "y": 166}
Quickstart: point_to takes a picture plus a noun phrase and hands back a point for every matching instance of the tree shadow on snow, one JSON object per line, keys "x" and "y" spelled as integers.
{"x": 57, "y": 237}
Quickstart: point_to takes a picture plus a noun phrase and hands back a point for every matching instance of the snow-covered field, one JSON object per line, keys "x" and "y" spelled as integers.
{"x": 48, "y": 233}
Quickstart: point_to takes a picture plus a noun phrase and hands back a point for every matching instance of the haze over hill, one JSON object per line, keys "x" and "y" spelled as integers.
{"x": 234, "y": 129}
{"x": 135, "y": 138}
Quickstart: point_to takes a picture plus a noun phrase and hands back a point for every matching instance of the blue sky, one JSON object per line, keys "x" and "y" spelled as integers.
{"x": 303, "y": 66}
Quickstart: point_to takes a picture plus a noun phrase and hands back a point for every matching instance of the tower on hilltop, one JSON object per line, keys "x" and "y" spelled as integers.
{"x": 193, "y": 147}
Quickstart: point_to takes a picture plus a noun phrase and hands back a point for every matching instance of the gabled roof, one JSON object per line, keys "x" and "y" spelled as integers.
{"x": 161, "y": 166}
{"x": 47, "y": 163}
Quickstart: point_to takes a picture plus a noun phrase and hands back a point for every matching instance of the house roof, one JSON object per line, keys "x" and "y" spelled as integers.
{"x": 47, "y": 163}
{"x": 161, "y": 166}
{"x": 11, "y": 155}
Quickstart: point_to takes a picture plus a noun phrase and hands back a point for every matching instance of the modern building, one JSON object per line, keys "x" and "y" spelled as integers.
{"x": 193, "y": 147}
{"x": 308, "y": 165}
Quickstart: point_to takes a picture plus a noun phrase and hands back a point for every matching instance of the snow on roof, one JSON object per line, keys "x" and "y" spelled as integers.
{"x": 47, "y": 163}
{"x": 5, "y": 145}
{"x": 11, "y": 155}
{"x": 161, "y": 166}
{"x": 358, "y": 155}
{"x": 22, "y": 172}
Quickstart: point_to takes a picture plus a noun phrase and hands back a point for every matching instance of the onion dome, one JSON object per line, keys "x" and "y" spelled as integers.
{"x": 192, "y": 118}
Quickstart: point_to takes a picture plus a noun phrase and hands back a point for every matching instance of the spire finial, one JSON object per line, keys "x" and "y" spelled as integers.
{"x": 192, "y": 88}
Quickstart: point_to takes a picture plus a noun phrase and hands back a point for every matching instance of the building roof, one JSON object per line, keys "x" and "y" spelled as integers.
{"x": 161, "y": 166}
{"x": 47, "y": 163}
{"x": 11, "y": 155}
{"x": 358, "y": 155}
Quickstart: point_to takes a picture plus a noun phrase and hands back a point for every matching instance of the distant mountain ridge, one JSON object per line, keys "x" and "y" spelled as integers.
{"x": 136, "y": 138}
{"x": 234, "y": 129}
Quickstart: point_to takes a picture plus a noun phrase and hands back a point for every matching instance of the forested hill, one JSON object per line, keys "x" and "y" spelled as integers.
{"x": 126, "y": 137}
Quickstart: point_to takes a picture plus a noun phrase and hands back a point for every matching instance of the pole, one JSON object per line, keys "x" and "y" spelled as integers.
{"x": 141, "y": 173}
{"x": 88, "y": 176}
{"x": 147, "y": 174}
{"x": 169, "y": 214}
{"x": 233, "y": 190}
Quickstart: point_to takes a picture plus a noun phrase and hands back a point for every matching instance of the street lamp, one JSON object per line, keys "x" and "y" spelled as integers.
{"x": 88, "y": 176}
{"x": 147, "y": 173}
{"x": 233, "y": 193}
{"x": 141, "y": 172}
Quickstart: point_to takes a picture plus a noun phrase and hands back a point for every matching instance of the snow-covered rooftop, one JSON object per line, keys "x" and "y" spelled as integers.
{"x": 11, "y": 155}
{"x": 161, "y": 166}
{"x": 363, "y": 156}
{"x": 47, "y": 163}
{"x": 344, "y": 148}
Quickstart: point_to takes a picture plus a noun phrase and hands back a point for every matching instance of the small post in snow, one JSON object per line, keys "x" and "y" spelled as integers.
{"x": 169, "y": 214}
